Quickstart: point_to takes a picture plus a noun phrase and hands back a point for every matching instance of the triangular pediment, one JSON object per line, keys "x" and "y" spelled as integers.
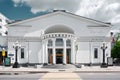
{"x": 63, "y": 14}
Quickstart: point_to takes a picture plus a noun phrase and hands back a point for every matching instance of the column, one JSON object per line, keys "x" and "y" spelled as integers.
{"x": 90, "y": 51}
{"x": 54, "y": 52}
{"x": 64, "y": 51}
{"x": 46, "y": 52}
{"x": 73, "y": 54}
{"x": 43, "y": 52}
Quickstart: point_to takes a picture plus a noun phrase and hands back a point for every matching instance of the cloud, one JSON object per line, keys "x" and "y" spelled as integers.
{"x": 103, "y": 10}
{"x": 43, "y": 5}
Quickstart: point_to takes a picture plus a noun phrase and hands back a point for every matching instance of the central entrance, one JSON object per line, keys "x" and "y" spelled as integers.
{"x": 59, "y": 51}
{"x": 59, "y": 56}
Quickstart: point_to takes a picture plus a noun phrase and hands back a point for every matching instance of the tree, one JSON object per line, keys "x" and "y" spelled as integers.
{"x": 115, "y": 51}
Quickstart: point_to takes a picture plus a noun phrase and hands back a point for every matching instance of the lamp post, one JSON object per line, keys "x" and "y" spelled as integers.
{"x": 16, "y": 46}
{"x": 104, "y": 65}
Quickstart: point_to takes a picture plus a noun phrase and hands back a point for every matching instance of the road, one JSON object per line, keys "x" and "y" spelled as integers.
{"x": 63, "y": 76}
{"x": 99, "y": 76}
{"x": 35, "y": 76}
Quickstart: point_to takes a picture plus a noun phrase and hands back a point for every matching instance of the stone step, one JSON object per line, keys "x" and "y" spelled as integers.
{"x": 59, "y": 66}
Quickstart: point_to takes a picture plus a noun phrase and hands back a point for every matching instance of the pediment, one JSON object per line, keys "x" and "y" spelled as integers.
{"x": 65, "y": 14}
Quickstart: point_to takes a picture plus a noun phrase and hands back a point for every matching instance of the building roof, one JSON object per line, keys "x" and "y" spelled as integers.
{"x": 61, "y": 12}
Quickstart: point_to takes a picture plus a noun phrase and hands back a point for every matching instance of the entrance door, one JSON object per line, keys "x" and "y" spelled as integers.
{"x": 50, "y": 56}
{"x": 68, "y": 57}
{"x": 59, "y": 56}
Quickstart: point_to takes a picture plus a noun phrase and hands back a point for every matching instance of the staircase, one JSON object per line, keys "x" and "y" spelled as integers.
{"x": 59, "y": 66}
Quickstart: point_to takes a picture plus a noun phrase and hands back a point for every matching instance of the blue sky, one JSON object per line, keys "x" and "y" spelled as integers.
{"x": 102, "y": 10}
{"x": 8, "y": 9}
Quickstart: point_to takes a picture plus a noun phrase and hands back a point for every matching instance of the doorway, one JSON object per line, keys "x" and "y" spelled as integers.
{"x": 59, "y": 56}
{"x": 50, "y": 56}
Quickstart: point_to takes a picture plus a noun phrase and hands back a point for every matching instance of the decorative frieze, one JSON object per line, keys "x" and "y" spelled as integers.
{"x": 57, "y": 35}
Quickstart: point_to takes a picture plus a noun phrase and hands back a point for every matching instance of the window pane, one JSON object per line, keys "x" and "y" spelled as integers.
{"x": 59, "y": 51}
{"x": 68, "y": 43}
{"x": 22, "y": 52}
{"x": 59, "y": 42}
{"x": 50, "y": 43}
{"x": 95, "y": 52}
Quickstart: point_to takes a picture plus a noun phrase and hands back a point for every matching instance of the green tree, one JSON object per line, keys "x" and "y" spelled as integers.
{"x": 115, "y": 51}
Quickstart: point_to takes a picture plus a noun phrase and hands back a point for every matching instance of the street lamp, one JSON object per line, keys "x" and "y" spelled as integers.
{"x": 104, "y": 65}
{"x": 16, "y": 45}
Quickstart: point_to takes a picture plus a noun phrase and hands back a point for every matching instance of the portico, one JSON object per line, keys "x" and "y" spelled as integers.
{"x": 58, "y": 44}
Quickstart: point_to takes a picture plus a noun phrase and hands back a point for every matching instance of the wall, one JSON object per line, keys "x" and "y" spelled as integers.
{"x": 83, "y": 53}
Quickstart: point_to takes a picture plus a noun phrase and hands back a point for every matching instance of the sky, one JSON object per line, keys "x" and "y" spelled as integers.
{"x": 102, "y": 10}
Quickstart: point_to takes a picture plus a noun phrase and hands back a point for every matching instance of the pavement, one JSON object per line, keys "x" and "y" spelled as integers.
{"x": 83, "y": 69}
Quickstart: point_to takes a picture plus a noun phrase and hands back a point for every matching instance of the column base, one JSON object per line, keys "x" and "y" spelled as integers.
{"x": 44, "y": 64}
{"x": 104, "y": 65}
{"x": 16, "y": 65}
{"x": 64, "y": 64}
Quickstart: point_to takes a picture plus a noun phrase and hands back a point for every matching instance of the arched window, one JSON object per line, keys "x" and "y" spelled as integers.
{"x": 68, "y": 43}
{"x": 50, "y": 43}
{"x": 59, "y": 42}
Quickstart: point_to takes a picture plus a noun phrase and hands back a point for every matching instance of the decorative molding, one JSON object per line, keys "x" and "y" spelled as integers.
{"x": 97, "y": 26}
{"x": 24, "y": 39}
{"x": 58, "y": 35}
{"x": 93, "y": 39}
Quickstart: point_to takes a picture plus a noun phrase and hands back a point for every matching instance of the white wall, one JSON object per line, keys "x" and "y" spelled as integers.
{"x": 35, "y": 52}
{"x": 83, "y": 53}
{"x": 32, "y": 53}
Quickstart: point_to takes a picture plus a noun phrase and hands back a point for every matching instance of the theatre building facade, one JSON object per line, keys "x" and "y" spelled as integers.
{"x": 59, "y": 38}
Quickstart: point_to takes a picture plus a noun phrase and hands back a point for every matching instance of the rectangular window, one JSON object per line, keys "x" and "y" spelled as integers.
{"x": 22, "y": 53}
{"x": 95, "y": 53}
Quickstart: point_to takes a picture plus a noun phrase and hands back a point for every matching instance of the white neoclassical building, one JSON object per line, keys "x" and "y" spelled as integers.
{"x": 59, "y": 38}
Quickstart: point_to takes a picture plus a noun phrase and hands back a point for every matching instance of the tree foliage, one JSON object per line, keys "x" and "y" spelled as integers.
{"x": 115, "y": 51}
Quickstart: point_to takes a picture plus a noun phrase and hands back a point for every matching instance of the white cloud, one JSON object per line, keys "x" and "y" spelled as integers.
{"x": 18, "y": 2}
{"x": 103, "y": 10}
{"x": 43, "y": 5}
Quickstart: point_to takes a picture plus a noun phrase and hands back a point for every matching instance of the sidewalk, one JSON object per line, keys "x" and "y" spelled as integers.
{"x": 85, "y": 69}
